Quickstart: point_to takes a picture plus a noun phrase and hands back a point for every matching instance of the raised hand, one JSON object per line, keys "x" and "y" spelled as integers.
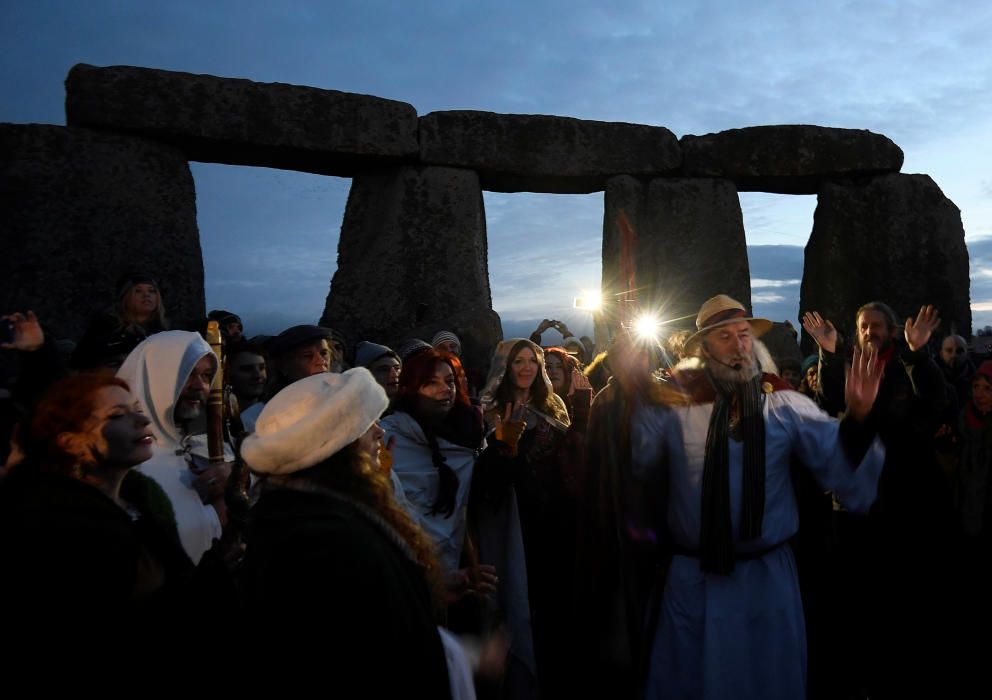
{"x": 28, "y": 335}
{"x": 861, "y": 382}
{"x": 821, "y": 330}
{"x": 918, "y": 332}
{"x": 211, "y": 481}
{"x": 502, "y": 420}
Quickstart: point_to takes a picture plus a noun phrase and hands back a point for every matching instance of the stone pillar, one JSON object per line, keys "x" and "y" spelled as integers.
{"x": 79, "y": 208}
{"x": 412, "y": 259}
{"x": 689, "y": 244}
{"x": 895, "y": 238}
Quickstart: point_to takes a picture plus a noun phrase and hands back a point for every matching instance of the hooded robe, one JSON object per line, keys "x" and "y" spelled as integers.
{"x": 157, "y": 371}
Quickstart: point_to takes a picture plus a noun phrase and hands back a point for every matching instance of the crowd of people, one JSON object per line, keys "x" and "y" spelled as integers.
{"x": 674, "y": 517}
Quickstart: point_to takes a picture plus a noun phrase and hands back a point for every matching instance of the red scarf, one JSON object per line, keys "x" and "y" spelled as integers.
{"x": 885, "y": 356}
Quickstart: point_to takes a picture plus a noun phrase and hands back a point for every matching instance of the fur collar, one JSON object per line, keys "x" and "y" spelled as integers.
{"x": 699, "y": 389}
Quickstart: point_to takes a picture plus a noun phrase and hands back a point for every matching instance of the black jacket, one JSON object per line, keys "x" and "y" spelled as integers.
{"x": 329, "y": 590}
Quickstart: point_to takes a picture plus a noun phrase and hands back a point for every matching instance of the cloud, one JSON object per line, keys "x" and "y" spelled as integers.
{"x": 757, "y": 283}
{"x": 766, "y": 298}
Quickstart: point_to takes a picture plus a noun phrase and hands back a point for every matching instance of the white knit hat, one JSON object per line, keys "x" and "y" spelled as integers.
{"x": 313, "y": 418}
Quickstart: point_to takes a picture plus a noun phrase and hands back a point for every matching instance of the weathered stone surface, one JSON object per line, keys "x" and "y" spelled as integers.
{"x": 241, "y": 122}
{"x": 539, "y": 153}
{"x": 413, "y": 257}
{"x": 78, "y": 208}
{"x": 689, "y": 244}
{"x": 479, "y": 330}
{"x": 790, "y": 159}
{"x": 896, "y": 239}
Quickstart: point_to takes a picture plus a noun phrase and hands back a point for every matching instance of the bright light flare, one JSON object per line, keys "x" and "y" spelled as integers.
{"x": 647, "y": 327}
{"x": 589, "y": 301}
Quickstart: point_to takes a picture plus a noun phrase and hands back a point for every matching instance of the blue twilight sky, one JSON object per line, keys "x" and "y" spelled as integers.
{"x": 917, "y": 71}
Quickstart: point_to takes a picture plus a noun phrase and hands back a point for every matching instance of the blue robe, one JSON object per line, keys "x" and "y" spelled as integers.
{"x": 742, "y": 635}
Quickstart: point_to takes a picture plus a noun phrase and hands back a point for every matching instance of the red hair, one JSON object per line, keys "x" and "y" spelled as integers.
{"x": 418, "y": 371}
{"x": 568, "y": 361}
{"x": 65, "y": 408}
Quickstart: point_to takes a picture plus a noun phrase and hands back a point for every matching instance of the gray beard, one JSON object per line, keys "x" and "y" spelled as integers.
{"x": 730, "y": 375}
{"x": 188, "y": 411}
{"x": 189, "y": 417}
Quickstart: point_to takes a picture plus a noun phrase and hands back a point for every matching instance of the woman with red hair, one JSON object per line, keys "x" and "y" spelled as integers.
{"x": 435, "y": 436}
{"x": 82, "y": 535}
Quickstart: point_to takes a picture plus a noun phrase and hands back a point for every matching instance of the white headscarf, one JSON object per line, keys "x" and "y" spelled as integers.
{"x": 157, "y": 370}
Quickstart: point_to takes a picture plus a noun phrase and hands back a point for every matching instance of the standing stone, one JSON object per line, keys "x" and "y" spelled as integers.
{"x": 78, "y": 208}
{"x": 689, "y": 244}
{"x": 896, "y": 239}
{"x": 412, "y": 257}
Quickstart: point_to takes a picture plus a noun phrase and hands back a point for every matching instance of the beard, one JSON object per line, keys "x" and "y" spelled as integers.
{"x": 748, "y": 371}
{"x": 187, "y": 411}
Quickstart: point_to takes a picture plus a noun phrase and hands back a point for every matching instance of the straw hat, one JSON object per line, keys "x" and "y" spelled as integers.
{"x": 719, "y": 311}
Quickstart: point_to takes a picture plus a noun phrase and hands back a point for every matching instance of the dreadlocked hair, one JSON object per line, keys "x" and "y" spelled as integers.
{"x": 350, "y": 473}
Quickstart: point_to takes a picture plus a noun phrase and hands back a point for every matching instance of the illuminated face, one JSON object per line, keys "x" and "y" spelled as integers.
{"x": 731, "y": 344}
{"x": 386, "y": 371}
{"x": 117, "y": 433}
{"x": 142, "y": 300}
{"x": 981, "y": 394}
{"x": 195, "y": 393}
{"x": 441, "y": 388}
{"x": 556, "y": 372}
{"x": 953, "y": 351}
{"x": 873, "y": 329}
{"x": 248, "y": 375}
{"x": 524, "y": 369}
{"x": 813, "y": 378}
{"x": 307, "y": 360}
{"x": 370, "y": 443}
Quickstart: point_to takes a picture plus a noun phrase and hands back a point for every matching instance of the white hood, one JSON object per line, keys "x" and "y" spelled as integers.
{"x": 157, "y": 371}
